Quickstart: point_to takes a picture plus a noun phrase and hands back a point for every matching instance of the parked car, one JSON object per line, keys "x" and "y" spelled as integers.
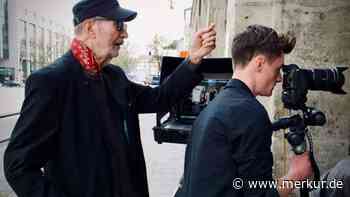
{"x": 155, "y": 80}
{"x": 152, "y": 80}
{"x": 10, "y": 84}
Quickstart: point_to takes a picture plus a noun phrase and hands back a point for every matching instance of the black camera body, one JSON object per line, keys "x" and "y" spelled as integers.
{"x": 175, "y": 126}
{"x": 296, "y": 83}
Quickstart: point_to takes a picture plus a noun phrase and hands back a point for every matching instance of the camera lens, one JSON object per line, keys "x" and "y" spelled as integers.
{"x": 297, "y": 82}
{"x": 330, "y": 80}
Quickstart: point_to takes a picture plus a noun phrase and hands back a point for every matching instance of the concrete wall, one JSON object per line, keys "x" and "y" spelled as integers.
{"x": 206, "y": 12}
{"x": 322, "y": 29}
{"x": 323, "y": 40}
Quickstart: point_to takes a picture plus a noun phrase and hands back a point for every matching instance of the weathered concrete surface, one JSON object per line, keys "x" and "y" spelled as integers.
{"x": 205, "y": 13}
{"x": 323, "y": 40}
{"x": 322, "y": 29}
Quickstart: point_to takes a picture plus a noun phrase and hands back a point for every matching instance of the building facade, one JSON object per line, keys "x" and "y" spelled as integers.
{"x": 33, "y": 40}
{"x": 4, "y": 40}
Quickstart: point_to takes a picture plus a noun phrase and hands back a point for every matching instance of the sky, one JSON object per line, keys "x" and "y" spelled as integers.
{"x": 59, "y": 11}
{"x": 154, "y": 17}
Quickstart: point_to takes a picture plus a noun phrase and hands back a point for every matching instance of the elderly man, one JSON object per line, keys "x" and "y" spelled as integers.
{"x": 78, "y": 132}
{"x": 231, "y": 139}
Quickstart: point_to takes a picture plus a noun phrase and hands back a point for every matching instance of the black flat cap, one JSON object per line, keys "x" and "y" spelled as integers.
{"x": 109, "y": 9}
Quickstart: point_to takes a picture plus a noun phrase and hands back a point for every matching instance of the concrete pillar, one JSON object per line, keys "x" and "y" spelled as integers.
{"x": 205, "y": 12}
{"x": 323, "y": 40}
{"x": 242, "y": 13}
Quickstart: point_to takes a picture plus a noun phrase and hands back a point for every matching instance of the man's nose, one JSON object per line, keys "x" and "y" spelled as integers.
{"x": 125, "y": 34}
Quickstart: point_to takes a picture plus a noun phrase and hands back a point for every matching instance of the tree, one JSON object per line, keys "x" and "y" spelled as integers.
{"x": 159, "y": 47}
{"x": 156, "y": 48}
{"x": 125, "y": 59}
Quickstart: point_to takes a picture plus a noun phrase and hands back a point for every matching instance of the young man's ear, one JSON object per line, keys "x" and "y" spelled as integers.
{"x": 259, "y": 61}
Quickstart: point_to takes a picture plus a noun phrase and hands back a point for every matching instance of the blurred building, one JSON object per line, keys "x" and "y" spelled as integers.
{"x": 187, "y": 29}
{"x": 30, "y": 39}
{"x": 4, "y": 41}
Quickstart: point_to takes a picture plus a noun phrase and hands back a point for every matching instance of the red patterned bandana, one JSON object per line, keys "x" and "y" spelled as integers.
{"x": 85, "y": 56}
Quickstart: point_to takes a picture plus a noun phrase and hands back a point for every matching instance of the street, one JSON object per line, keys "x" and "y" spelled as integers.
{"x": 164, "y": 161}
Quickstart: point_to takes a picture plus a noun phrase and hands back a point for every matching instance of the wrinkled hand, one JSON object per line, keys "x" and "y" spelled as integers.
{"x": 300, "y": 167}
{"x": 203, "y": 43}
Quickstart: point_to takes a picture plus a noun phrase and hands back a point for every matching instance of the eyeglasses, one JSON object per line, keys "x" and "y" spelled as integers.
{"x": 119, "y": 25}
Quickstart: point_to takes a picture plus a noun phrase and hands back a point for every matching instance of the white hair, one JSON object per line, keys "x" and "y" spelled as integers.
{"x": 78, "y": 29}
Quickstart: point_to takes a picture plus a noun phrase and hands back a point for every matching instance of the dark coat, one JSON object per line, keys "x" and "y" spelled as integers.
{"x": 231, "y": 138}
{"x": 58, "y": 146}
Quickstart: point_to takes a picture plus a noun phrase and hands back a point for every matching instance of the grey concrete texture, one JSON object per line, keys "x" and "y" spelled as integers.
{"x": 322, "y": 30}
{"x": 211, "y": 12}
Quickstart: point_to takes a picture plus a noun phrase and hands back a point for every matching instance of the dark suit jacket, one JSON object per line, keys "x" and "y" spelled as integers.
{"x": 230, "y": 139}
{"x": 60, "y": 130}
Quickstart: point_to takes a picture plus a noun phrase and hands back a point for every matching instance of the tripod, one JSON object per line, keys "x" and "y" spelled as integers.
{"x": 298, "y": 133}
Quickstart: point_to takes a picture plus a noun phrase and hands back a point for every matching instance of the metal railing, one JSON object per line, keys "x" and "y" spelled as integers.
{"x": 7, "y": 116}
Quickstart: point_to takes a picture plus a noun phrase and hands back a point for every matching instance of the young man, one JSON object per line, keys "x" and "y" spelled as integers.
{"x": 231, "y": 139}
{"x": 79, "y": 121}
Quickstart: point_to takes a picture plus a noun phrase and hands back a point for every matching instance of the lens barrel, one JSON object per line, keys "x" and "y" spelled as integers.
{"x": 330, "y": 80}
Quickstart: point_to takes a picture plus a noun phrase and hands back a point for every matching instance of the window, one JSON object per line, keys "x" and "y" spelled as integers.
{"x": 5, "y": 33}
{"x": 187, "y": 16}
{"x": 49, "y": 51}
{"x": 23, "y": 50}
{"x": 41, "y": 46}
{"x": 57, "y": 45}
{"x": 32, "y": 46}
{"x": 4, "y": 46}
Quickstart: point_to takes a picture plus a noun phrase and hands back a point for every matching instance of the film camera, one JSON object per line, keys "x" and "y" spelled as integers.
{"x": 296, "y": 83}
{"x": 175, "y": 126}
